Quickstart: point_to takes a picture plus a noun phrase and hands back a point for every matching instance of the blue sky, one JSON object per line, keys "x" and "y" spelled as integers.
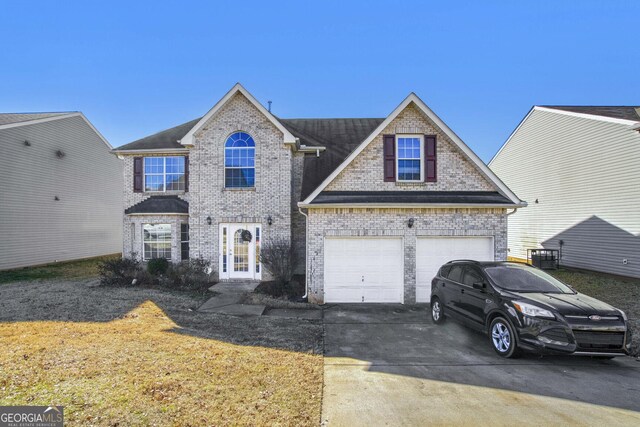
{"x": 135, "y": 68}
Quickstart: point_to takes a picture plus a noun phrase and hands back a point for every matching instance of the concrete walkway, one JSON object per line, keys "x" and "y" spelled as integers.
{"x": 228, "y": 300}
{"x": 390, "y": 365}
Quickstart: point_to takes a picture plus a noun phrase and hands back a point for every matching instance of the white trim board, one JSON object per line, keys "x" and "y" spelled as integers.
{"x": 413, "y": 98}
{"x": 188, "y": 139}
{"x": 59, "y": 117}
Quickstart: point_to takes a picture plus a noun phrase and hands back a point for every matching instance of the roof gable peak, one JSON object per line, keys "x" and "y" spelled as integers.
{"x": 188, "y": 139}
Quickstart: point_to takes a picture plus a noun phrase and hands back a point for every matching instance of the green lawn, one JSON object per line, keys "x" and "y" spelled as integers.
{"x": 61, "y": 270}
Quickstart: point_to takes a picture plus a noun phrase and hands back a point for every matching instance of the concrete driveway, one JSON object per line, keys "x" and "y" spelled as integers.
{"x": 390, "y": 365}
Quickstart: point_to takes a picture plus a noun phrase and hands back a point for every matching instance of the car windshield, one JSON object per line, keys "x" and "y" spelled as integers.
{"x": 519, "y": 278}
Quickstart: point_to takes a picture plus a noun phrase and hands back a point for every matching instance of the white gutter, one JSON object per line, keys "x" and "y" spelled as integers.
{"x": 514, "y": 211}
{"x": 407, "y": 205}
{"x": 306, "y": 254}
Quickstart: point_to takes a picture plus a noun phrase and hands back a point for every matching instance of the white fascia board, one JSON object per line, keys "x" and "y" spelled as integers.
{"x": 158, "y": 214}
{"x": 59, "y": 117}
{"x": 413, "y": 98}
{"x": 188, "y": 139}
{"x": 152, "y": 151}
{"x": 410, "y": 205}
{"x": 587, "y": 116}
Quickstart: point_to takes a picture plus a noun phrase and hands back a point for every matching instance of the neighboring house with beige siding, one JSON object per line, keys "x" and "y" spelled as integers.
{"x": 372, "y": 206}
{"x": 61, "y": 196}
{"x": 578, "y": 167}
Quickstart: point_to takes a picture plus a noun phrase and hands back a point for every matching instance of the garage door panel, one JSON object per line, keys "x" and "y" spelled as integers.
{"x": 363, "y": 269}
{"x": 433, "y": 252}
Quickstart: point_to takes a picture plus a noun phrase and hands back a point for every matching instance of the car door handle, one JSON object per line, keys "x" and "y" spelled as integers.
{"x": 444, "y": 285}
{"x": 462, "y": 291}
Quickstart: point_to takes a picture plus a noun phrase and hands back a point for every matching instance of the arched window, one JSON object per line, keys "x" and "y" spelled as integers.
{"x": 239, "y": 161}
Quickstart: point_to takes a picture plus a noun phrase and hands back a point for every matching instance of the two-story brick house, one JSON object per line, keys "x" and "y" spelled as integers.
{"x": 372, "y": 206}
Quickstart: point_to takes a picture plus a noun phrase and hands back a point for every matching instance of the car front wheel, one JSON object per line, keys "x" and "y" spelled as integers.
{"x": 437, "y": 313}
{"x": 503, "y": 338}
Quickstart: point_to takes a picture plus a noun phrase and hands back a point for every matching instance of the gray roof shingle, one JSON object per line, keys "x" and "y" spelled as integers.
{"x": 160, "y": 204}
{"x": 164, "y": 139}
{"x": 340, "y": 136}
{"x": 408, "y": 197}
{"x": 11, "y": 118}
{"x": 616, "y": 112}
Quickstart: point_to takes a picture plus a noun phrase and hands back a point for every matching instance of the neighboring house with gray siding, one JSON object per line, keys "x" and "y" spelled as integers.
{"x": 61, "y": 193}
{"x": 372, "y": 206}
{"x": 578, "y": 167}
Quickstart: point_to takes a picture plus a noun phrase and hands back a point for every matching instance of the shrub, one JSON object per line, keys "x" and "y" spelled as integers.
{"x": 121, "y": 272}
{"x": 194, "y": 274}
{"x": 157, "y": 266}
{"x": 278, "y": 257}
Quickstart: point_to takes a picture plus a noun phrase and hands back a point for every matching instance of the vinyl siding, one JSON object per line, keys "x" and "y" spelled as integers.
{"x": 85, "y": 222}
{"x": 585, "y": 175}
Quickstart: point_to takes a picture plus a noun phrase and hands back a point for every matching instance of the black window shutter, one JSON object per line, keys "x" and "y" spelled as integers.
{"x": 137, "y": 174}
{"x": 430, "y": 154}
{"x": 389, "y": 152}
{"x": 186, "y": 173}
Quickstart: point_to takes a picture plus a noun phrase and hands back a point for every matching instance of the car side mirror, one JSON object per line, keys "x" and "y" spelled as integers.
{"x": 479, "y": 285}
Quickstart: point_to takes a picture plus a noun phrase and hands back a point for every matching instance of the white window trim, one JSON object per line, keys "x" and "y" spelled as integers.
{"x": 163, "y": 175}
{"x": 239, "y": 167}
{"x": 143, "y": 241}
{"x": 421, "y": 138}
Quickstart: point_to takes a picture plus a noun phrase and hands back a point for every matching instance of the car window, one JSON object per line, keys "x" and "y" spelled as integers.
{"x": 471, "y": 276}
{"x": 444, "y": 271}
{"x": 522, "y": 278}
{"x": 455, "y": 274}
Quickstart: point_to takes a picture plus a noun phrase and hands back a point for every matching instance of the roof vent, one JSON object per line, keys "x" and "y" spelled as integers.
{"x": 60, "y": 154}
{"x": 27, "y": 143}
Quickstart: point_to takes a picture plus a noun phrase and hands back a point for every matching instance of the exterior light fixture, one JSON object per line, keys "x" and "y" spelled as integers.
{"x": 27, "y": 143}
{"x": 269, "y": 220}
{"x": 410, "y": 222}
{"x": 60, "y": 154}
{"x": 209, "y": 220}
{"x": 56, "y": 198}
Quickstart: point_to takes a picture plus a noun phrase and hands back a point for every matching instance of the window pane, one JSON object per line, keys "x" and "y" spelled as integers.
{"x": 175, "y": 182}
{"x": 157, "y": 241}
{"x": 409, "y": 170}
{"x": 153, "y": 183}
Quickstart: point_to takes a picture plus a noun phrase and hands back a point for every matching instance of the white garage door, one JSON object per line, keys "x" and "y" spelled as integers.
{"x": 432, "y": 252}
{"x": 363, "y": 270}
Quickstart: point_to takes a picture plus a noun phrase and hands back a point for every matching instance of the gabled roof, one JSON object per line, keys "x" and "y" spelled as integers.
{"x": 616, "y": 112}
{"x": 625, "y": 115}
{"x": 339, "y": 136}
{"x": 188, "y": 138}
{"x": 414, "y": 99}
{"x": 11, "y": 120}
{"x": 166, "y": 139}
{"x": 172, "y": 205}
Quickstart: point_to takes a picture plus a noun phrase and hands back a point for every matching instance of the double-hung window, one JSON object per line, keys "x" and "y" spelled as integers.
{"x": 164, "y": 173}
{"x": 184, "y": 241}
{"x": 239, "y": 161}
{"x": 410, "y": 158}
{"x": 156, "y": 241}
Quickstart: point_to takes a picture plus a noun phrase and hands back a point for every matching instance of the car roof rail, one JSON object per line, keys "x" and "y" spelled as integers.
{"x": 463, "y": 260}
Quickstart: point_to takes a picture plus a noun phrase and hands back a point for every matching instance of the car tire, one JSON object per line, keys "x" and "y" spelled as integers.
{"x": 437, "y": 311}
{"x": 503, "y": 338}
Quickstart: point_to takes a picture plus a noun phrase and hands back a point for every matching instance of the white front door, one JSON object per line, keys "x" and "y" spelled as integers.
{"x": 368, "y": 269}
{"x": 433, "y": 252}
{"x": 240, "y": 251}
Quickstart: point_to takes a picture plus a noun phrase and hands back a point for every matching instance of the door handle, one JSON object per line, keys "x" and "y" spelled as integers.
{"x": 444, "y": 285}
{"x": 462, "y": 291}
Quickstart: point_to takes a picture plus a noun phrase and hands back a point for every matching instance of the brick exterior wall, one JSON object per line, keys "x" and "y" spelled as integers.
{"x": 298, "y": 221}
{"x": 454, "y": 171}
{"x": 393, "y": 222}
{"x": 208, "y": 196}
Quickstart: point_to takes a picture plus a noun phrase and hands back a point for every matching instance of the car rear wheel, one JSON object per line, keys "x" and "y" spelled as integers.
{"x": 503, "y": 338}
{"x": 437, "y": 312}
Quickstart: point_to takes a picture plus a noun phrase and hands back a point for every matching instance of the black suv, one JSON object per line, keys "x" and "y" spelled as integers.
{"x": 523, "y": 308}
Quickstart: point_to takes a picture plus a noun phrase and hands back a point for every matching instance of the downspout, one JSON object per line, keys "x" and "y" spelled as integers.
{"x": 306, "y": 254}
{"x": 514, "y": 211}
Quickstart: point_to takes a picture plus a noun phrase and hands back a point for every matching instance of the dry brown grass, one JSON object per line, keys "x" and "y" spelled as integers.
{"x": 61, "y": 270}
{"x": 137, "y": 370}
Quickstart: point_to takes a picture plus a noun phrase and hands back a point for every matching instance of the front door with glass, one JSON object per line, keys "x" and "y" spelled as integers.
{"x": 240, "y": 251}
